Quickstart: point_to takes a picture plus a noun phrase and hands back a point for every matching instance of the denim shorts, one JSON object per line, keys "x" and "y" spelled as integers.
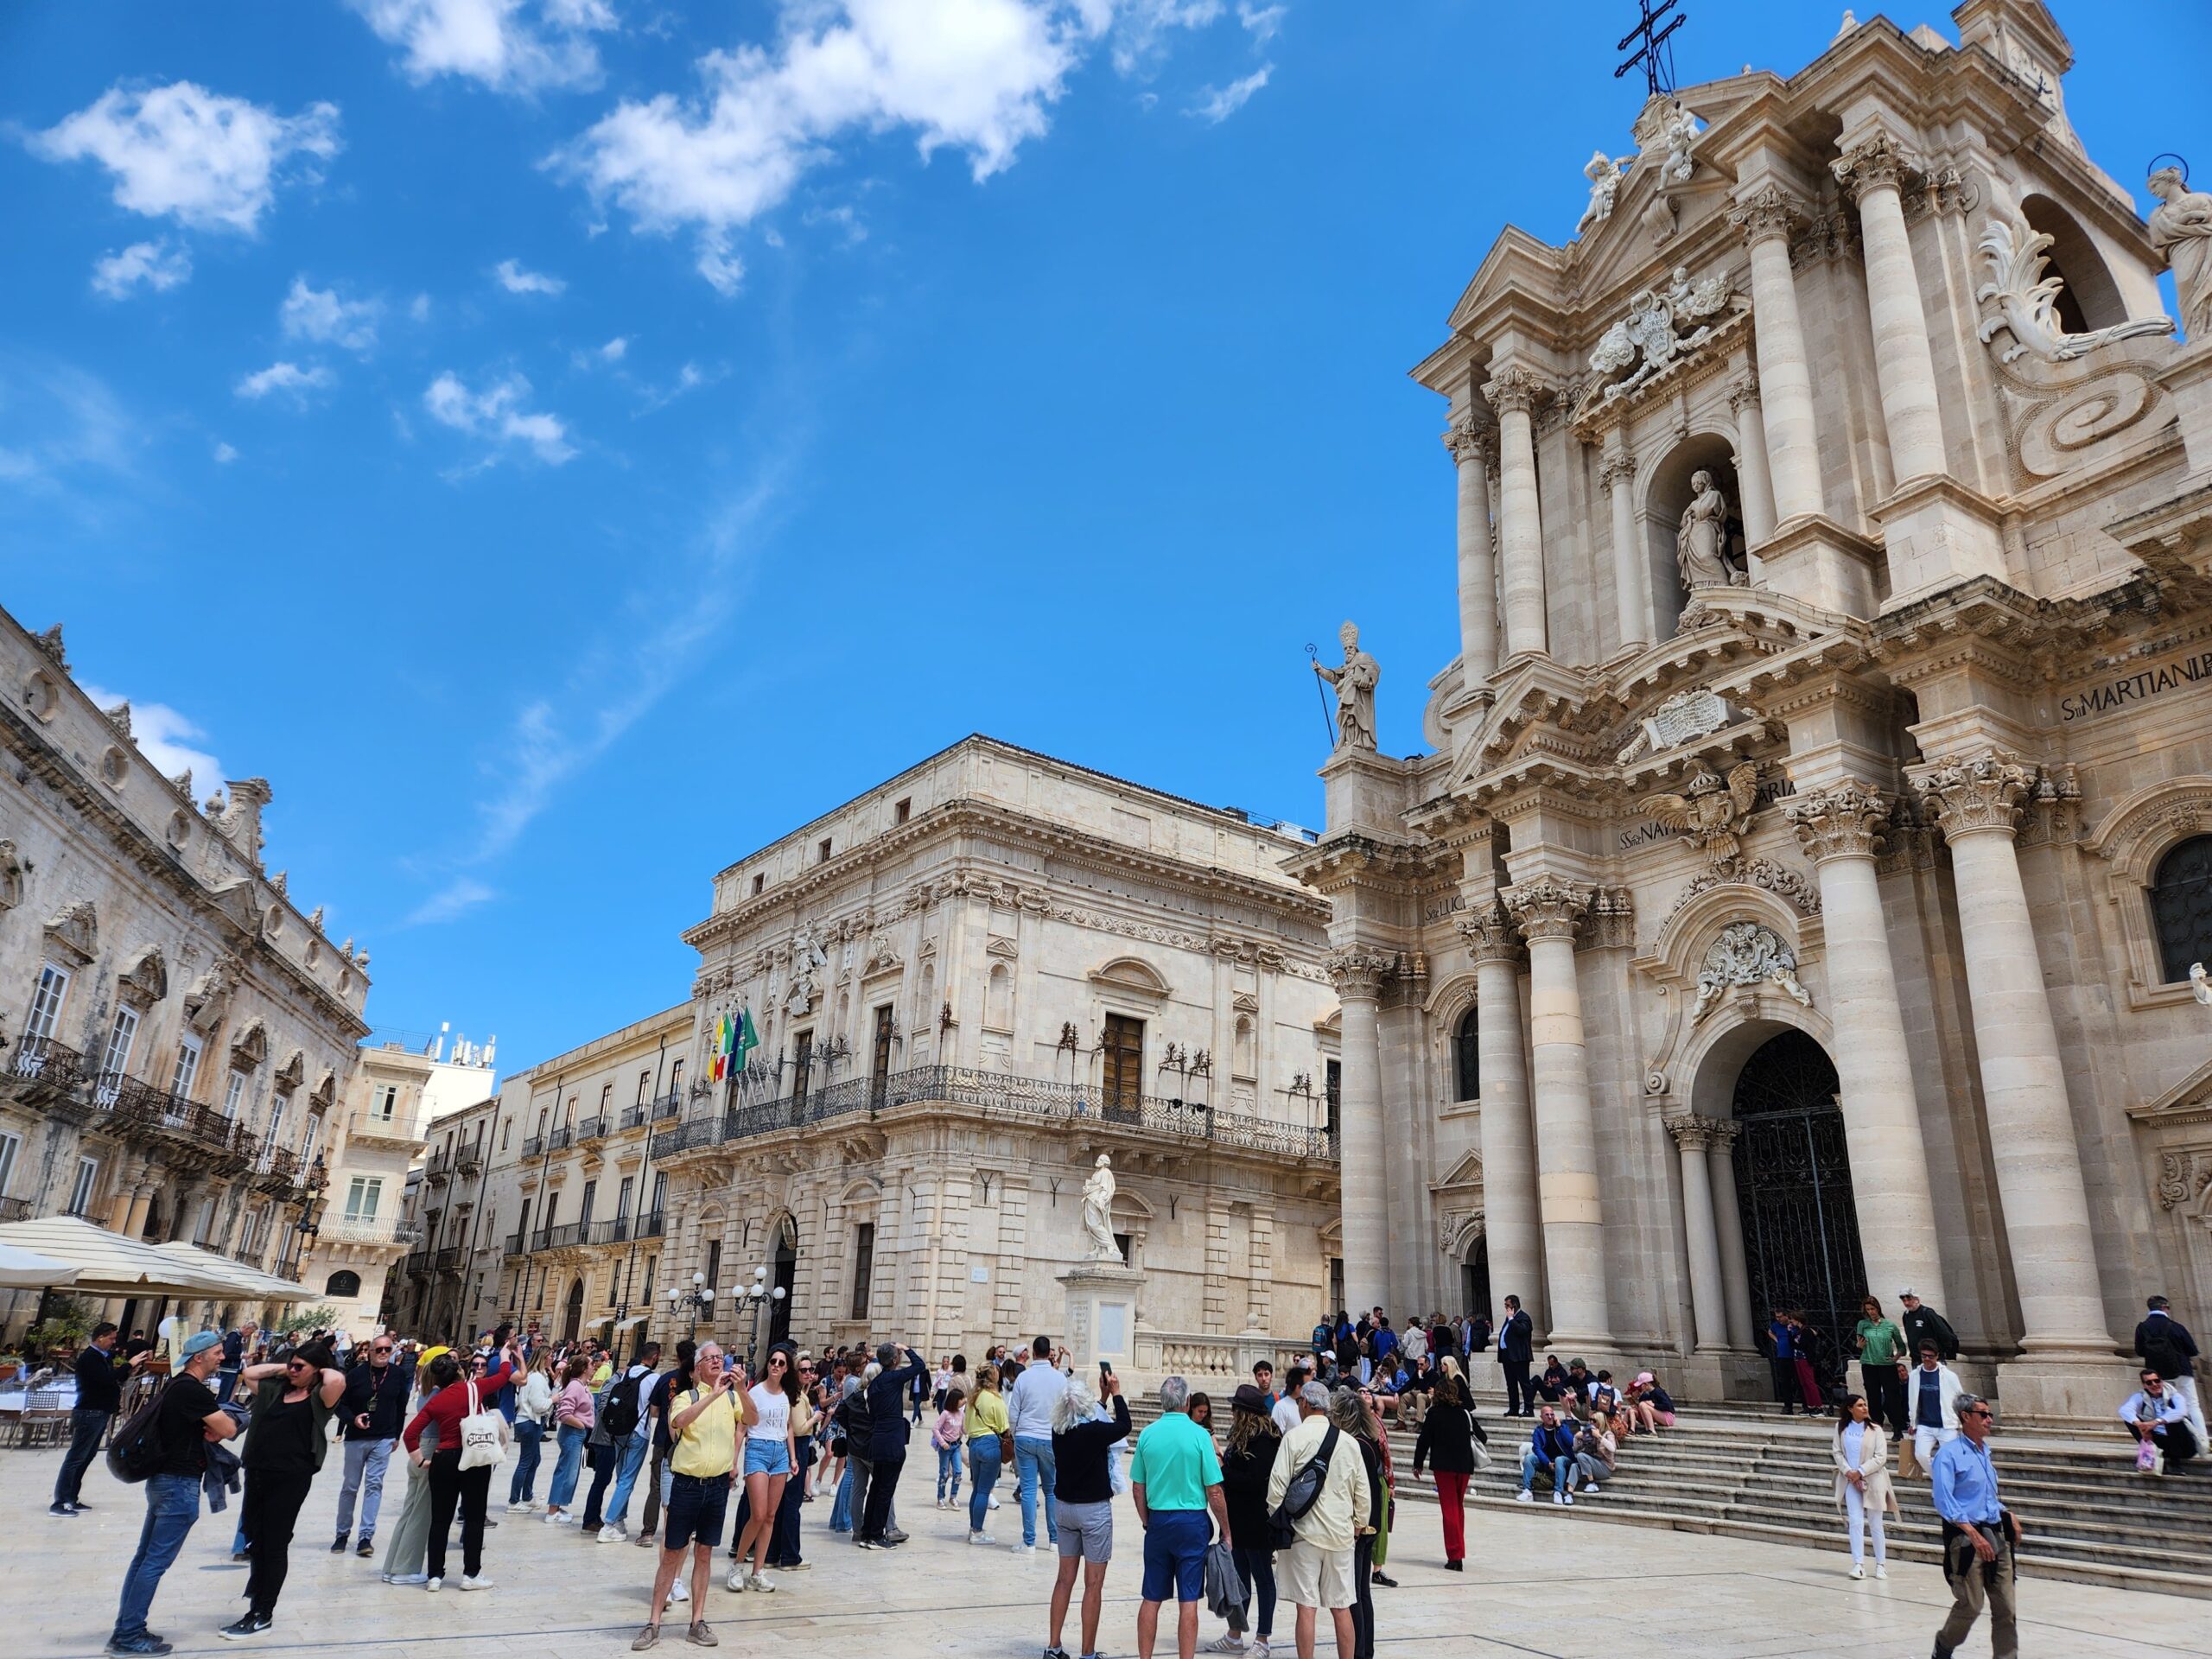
{"x": 768, "y": 1456}
{"x": 698, "y": 1507}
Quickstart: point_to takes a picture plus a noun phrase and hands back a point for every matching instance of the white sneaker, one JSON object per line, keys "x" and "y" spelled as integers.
{"x": 994, "y": 1502}
{"x": 1592, "y": 1487}
{"x": 1880, "y": 1571}
{"x": 1025, "y": 1549}
{"x": 679, "y": 1591}
{"x": 763, "y": 1584}
{"x": 1225, "y": 1644}
{"x": 434, "y": 1586}
{"x": 984, "y": 1538}
{"x": 477, "y": 1583}
{"x": 1857, "y": 1571}
{"x": 520, "y": 1509}
{"x": 613, "y": 1534}
{"x": 551, "y": 1518}
{"x": 1524, "y": 1496}
{"x": 571, "y": 1518}
{"x": 740, "y": 1577}
{"x": 1260, "y": 1649}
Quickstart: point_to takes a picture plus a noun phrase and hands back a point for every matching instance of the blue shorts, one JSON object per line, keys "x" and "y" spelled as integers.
{"x": 697, "y": 1505}
{"x": 768, "y": 1456}
{"x": 1175, "y": 1555}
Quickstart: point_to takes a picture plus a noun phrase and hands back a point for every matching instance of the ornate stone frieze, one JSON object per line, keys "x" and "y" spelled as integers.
{"x": 1697, "y": 712}
{"x": 1825, "y": 236}
{"x": 1874, "y": 162}
{"x": 1746, "y": 953}
{"x": 1975, "y": 794}
{"x": 1662, "y": 325}
{"x": 1780, "y": 879}
{"x": 1547, "y": 909}
{"x": 1769, "y": 213}
{"x": 1611, "y": 924}
{"x": 1943, "y": 189}
{"x": 1356, "y": 973}
{"x": 1849, "y": 821}
{"x": 2053, "y": 807}
{"x": 1490, "y": 934}
{"x": 2182, "y": 1177}
{"x": 1455, "y": 1227}
{"x": 74, "y": 932}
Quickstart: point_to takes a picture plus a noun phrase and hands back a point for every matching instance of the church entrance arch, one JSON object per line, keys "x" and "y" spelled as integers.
{"x": 1793, "y": 1192}
{"x": 783, "y": 1276}
{"x": 1474, "y": 1277}
{"x": 572, "y": 1321}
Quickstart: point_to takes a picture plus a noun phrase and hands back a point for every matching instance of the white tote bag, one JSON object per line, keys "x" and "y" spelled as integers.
{"x": 483, "y": 1433}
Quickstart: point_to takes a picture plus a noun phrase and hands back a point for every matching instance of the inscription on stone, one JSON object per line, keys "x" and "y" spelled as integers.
{"x": 2150, "y": 682}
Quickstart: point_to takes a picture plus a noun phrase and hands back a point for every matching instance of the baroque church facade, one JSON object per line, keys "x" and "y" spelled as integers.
{"x": 1800, "y": 893}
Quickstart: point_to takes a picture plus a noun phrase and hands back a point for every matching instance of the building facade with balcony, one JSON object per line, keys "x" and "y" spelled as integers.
{"x": 967, "y": 982}
{"x": 401, "y": 1084}
{"x": 179, "y": 1032}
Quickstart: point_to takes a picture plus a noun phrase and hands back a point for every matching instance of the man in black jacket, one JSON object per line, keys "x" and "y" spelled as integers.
{"x": 100, "y": 1396}
{"x": 886, "y": 1450}
{"x": 2164, "y": 1345}
{"x": 1516, "y": 1349}
{"x": 371, "y": 1413}
{"x": 1924, "y": 1324}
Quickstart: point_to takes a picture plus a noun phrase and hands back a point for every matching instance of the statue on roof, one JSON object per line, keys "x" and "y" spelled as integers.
{"x": 2181, "y": 229}
{"x": 1355, "y": 679}
{"x": 1606, "y": 175}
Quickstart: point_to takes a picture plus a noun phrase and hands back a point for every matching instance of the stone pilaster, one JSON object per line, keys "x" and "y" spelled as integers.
{"x": 1012, "y": 1254}
{"x": 1362, "y": 1157}
{"x": 1840, "y": 830}
{"x": 1260, "y": 1312}
{"x": 1514, "y": 393}
{"x": 1631, "y": 580}
{"x": 1708, "y": 1292}
{"x": 1215, "y": 1317}
{"x": 1512, "y": 1220}
{"x": 1727, "y": 1218}
{"x": 1473, "y": 451}
{"x": 1548, "y": 913}
{"x": 1975, "y": 800}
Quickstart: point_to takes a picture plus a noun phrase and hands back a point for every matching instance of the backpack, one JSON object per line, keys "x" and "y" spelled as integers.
{"x": 1303, "y": 1492}
{"x": 620, "y": 1417}
{"x": 135, "y": 1451}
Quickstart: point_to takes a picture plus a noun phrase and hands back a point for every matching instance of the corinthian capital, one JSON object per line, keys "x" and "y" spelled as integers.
{"x": 1358, "y": 973}
{"x": 1515, "y": 390}
{"x": 1972, "y": 795}
{"x": 1491, "y": 935}
{"x": 1768, "y": 213}
{"x": 1874, "y": 161}
{"x": 1692, "y": 1134}
{"x": 1616, "y": 470}
{"x": 1548, "y": 909}
{"x": 1469, "y": 443}
{"x": 1846, "y": 821}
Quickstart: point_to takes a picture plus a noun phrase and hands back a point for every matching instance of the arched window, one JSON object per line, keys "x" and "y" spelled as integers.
{"x": 2181, "y": 907}
{"x": 343, "y": 1284}
{"x": 998, "y": 1002}
{"x": 1466, "y": 1062}
{"x": 2089, "y": 298}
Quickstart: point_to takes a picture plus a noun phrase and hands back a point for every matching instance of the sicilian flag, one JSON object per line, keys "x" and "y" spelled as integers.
{"x": 718, "y": 1049}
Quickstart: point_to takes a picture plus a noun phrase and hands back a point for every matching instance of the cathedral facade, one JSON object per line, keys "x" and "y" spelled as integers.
{"x": 1800, "y": 895}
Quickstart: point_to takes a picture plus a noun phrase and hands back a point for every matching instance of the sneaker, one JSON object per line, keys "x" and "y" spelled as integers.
{"x": 613, "y": 1533}
{"x": 366, "y": 1548}
{"x": 1220, "y": 1644}
{"x": 1559, "y": 1500}
{"x": 893, "y": 1535}
{"x": 699, "y": 1635}
{"x": 61, "y": 1508}
{"x": 520, "y": 1509}
{"x": 1056, "y": 1653}
{"x": 551, "y": 1518}
{"x": 479, "y": 1582}
{"x": 645, "y": 1639}
{"x": 1592, "y": 1488}
{"x": 866, "y": 1543}
{"x": 984, "y": 1538}
{"x": 739, "y": 1579}
{"x": 569, "y": 1518}
{"x": 791, "y": 1566}
{"x": 1880, "y": 1571}
{"x": 1568, "y": 1499}
{"x": 679, "y": 1591}
{"x": 994, "y": 1502}
{"x": 1524, "y": 1496}
{"x": 404, "y": 1578}
{"x": 1260, "y": 1649}
{"x": 763, "y": 1584}
{"x": 1857, "y": 1571}
{"x": 644, "y": 1541}
{"x": 252, "y": 1625}
{"x": 137, "y": 1645}
{"x": 433, "y": 1585}
{"x": 1025, "y": 1549}
{"x": 337, "y": 1545}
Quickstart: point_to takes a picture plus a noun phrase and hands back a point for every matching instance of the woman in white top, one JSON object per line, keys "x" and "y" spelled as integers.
{"x": 1862, "y": 1483}
{"x": 769, "y": 1459}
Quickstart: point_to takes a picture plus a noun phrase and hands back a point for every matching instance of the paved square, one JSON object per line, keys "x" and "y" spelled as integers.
{"x": 1546, "y": 1583}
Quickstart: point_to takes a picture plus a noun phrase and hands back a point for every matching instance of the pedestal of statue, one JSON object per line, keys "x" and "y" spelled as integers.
{"x": 1102, "y": 1313}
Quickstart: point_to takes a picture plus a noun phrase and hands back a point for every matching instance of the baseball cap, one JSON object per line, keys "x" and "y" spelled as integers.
{"x": 199, "y": 1342}
{"x": 1908, "y": 1291}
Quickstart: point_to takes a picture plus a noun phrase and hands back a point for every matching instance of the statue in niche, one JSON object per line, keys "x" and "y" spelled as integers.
{"x": 1604, "y": 175}
{"x": 1099, "y": 1212}
{"x": 1355, "y": 680}
{"x": 1701, "y": 542}
{"x": 2181, "y": 229}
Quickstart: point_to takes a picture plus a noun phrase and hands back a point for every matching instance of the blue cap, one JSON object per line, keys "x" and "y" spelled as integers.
{"x": 199, "y": 1342}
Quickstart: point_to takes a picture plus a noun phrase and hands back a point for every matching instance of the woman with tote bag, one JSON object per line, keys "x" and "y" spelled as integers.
{"x": 460, "y": 1471}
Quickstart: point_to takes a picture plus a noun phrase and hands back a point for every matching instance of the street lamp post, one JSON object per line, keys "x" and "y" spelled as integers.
{"x": 700, "y": 1300}
{"x": 757, "y": 1295}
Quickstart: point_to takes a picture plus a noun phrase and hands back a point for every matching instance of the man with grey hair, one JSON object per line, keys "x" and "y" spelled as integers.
{"x": 886, "y": 1450}
{"x": 1174, "y": 1481}
{"x": 1317, "y": 1570}
{"x": 1980, "y": 1535}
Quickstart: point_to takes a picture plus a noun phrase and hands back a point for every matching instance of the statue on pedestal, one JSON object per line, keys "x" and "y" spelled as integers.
{"x": 2181, "y": 229}
{"x": 1355, "y": 680}
{"x": 1701, "y": 545}
{"x": 1099, "y": 1212}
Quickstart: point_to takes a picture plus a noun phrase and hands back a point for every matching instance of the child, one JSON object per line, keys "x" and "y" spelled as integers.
{"x": 947, "y": 1439}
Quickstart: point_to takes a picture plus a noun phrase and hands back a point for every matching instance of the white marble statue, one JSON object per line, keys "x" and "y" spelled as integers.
{"x": 1099, "y": 1212}
{"x": 1701, "y": 545}
{"x": 1680, "y": 131}
{"x": 1604, "y": 175}
{"x": 2181, "y": 229}
{"x": 1355, "y": 680}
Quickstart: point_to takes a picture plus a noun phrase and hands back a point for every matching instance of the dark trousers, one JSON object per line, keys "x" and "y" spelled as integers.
{"x": 1520, "y": 1398}
{"x": 857, "y": 1463}
{"x": 452, "y": 1486}
{"x": 2178, "y": 1441}
{"x": 1885, "y": 1395}
{"x": 609, "y": 1458}
{"x": 651, "y": 1518}
{"x": 1785, "y": 1383}
{"x": 783, "y": 1543}
{"x": 883, "y": 1486}
{"x": 1362, "y": 1606}
{"x": 271, "y": 1506}
{"x": 87, "y": 1428}
{"x": 1256, "y": 1571}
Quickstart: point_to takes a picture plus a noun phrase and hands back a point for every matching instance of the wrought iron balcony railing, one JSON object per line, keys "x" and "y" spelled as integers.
{"x": 595, "y": 1127}
{"x": 40, "y": 1059}
{"x": 556, "y": 1238}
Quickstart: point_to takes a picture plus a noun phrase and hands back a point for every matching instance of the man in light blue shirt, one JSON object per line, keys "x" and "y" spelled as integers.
{"x": 1978, "y": 1536}
{"x": 1029, "y": 1412}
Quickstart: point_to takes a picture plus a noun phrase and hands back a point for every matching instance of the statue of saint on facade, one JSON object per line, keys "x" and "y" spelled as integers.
{"x": 1604, "y": 175}
{"x": 1355, "y": 680}
{"x": 1099, "y": 1212}
{"x": 1701, "y": 543}
{"x": 2181, "y": 229}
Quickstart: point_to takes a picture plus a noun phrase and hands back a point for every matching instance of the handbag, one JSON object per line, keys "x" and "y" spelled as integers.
{"x": 1908, "y": 1458}
{"x": 483, "y": 1433}
{"x": 2147, "y": 1459}
{"x": 1303, "y": 1491}
{"x": 1006, "y": 1447}
{"x": 1382, "y": 1551}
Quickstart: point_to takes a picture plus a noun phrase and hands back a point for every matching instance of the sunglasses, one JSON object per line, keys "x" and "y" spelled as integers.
{"x": 1979, "y": 1412}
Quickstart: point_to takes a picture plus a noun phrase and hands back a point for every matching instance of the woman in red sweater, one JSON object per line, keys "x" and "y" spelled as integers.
{"x": 450, "y": 1484}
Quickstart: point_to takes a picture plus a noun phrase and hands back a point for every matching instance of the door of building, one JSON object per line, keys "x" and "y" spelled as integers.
{"x": 1124, "y": 1056}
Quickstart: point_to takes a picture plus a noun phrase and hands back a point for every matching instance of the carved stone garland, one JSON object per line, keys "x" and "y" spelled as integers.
{"x": 1746, "y": 953}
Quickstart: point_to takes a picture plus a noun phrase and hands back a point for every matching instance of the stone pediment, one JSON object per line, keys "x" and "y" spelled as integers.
{"x": 2188, "y": 1103}
{"x": 240, "y": 904}
{"x": 1467, "y": 1172}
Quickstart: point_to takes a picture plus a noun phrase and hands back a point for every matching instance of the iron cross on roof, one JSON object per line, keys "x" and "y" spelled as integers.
{"x": 1656, "y": 57}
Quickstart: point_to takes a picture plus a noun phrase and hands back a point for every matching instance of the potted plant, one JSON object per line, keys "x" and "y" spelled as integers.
{"x": 62, "y": 1332}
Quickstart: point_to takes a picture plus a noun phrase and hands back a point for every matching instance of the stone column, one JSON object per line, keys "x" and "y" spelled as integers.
{"x": 2031, "y": 1140}
{"x": 1632, "y": 570}
{"x": 1785, "y": 378}
{"x": 1708, "y": 1293}
{"x": 1751, "y": 477}
{"x": 1362, "y": 1156}
{"x": 1904, "y": 365}
{"x": 1728, "y": 1221}
{"x": 1567, "y": 1138}
{"x": 1471, "y": 449}
{"x": 1509, "y": 1141}
{"x": 1514, "y": 393}
{"x": 1839, "y": 828}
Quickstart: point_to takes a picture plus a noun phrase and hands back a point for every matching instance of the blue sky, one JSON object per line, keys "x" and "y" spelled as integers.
{"x": 566, "y": 443}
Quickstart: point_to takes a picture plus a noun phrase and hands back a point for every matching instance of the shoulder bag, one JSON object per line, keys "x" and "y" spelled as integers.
{"x": 1303, "y": 1492}
{"x": 483, "y": 1433}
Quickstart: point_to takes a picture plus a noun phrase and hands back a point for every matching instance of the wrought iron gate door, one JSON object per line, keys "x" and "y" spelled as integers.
{"x": 1792, "y": 1188}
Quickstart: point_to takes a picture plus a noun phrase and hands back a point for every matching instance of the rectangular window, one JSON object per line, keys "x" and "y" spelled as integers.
{"x": 1332, "y": 1090}
{"x": 115, "y": 1063}
{"x": 645, "y": 1087}
{"x": 583, "y": 1214}
{"x": 879, "y": 1061}
{"x": 88, "y": 1177}
{"x": 523, "y": 1234}
{"x": 652, "y": 1261}
{"x": 825, "y": 850}
{"x": 386, "y": 1103}
{"x": 802, "y": 1063}
{"x": 187, "y": 1067}
{"x": 622, "y": 1197}
{"x": 11, "y": 1145}
{"x": 1124, "y": 1047}
{"x": 713, "y": 1260}
{"x": 902, "y": 810}
{"x": 606, "y": 1100}
{"x": 660, "y": 1189}
{"x": 507, "y": 1129}
{"x": 314, "y": 1138}
{"x": 233, "y": 1094}
{"x": 676, "y": 1079}
{"x": 552, "y": 1209}
{"x": 863, "y": 1266}
{"x": 274, "y": 1138}
{"x": 759, "y": 880}
{"x": 206, "y": 1228}
{"x": 45, "y": 1006}
{"x": 362, "y": 1198}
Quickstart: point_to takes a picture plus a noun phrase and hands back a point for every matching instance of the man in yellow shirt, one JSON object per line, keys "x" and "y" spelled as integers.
{"x": 703, "y": 1425}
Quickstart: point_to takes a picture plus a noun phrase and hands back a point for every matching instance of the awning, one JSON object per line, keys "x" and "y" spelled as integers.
{"x": 108, "y": 1264}
{"x": 250, "y": 1282}
{"x": 633, "y": 1322}
{"x": 22, "y": 1269}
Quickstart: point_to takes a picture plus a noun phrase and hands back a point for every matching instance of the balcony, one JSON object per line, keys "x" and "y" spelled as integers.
{"x": 596, "y": 1127}
{"x": 375, "y": 1128}
{"x": 513, "y": 1247}
{"x": 367, "y": 1230}
{"x": 669, "y": 1105}
{"x": 468, "y": 1160}
{"x": 561, "y": 1140}
{"x": 42, "y": 1066}
{"x": 276, "y": 1171}
{"x": 417, "y": 1265}
{"x": 648, "y": 1225}
{"x": 532, "y": 1147}
{"x": 184, "y": 1124}
{"x": 557, "y": 1238}
{"x": 1063, "y": 1102}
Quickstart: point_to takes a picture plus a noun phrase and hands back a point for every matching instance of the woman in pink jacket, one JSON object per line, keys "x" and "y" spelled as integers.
{"x": 573, "y": 1415}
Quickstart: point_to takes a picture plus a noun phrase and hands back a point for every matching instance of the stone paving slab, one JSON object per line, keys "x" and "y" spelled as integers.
{"x": 1541, "y": 1583}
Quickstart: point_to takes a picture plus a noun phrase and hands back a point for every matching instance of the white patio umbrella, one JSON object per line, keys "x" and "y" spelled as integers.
{"x": 252, "y": 1282}
{"x": 22, "y": 1269}
{"x": 108, "y": 1264}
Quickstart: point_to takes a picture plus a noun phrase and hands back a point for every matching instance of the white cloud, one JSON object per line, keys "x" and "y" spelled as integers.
{"x": 507, "y": 45}
{"x": 160, "y": 265}
{"x": 516, "y": 280}
{"x": 1217, "y": 104}
{"x": 497, "y": 413}
{"x": 615, "y": 349}
{"x": 976, "y": 76}
{"x": 166, "y": 738}
{"x": 419, "y": 307}
{"x": 287, "y": 378}
{"x": 63, "y": 435}
{"x": 463, "y": 893}
{"x": 322, "y": 316}
{"x": 208, "y": 161}
{"x": 1262, "y": 22}
{"x": 690, "y": 378}
{"x": 225, "y": 454}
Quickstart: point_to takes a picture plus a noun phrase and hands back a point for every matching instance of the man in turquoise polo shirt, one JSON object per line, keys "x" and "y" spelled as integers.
{"x": 1174, "y": 1480}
